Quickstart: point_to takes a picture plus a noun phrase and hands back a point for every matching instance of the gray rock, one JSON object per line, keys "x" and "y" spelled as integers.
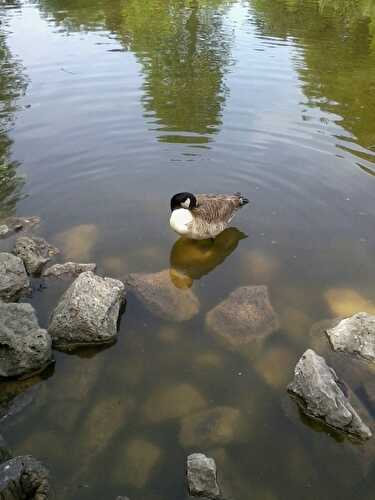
{"x": 24, "y": 478}
{"x": 25, "y": 348}
{"x": 122, "y": 498}
{"x": 35, "y": 253}
{"x": 68, "y": 269}
{"x": 246, "y": 315}
{"x": 319, "y": 395}
{"x": 355, "y": 335}
{"x": 201, "y": 476}
{"x": 161, "y": 297}
{"x": 87, "y": 313}
{"x": 14, "y": 224}
{"x": 13, "y": 277}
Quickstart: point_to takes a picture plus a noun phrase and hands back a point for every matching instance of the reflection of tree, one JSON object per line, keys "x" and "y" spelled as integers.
{"x": 338, "y": 38}
{"x": 183, "y": 48}
{"x": 12, "y": 85}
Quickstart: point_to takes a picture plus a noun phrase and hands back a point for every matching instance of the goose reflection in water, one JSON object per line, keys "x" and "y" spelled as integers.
{"x": 192, "y": 259}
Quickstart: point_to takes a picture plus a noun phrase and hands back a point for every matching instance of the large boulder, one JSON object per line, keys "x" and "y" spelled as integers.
{"x": 35, "y": 253}
{"x": 244, "y": 316}
{"x": 87, "y": 313}
{"x": 24, "y": 478}
{"x": 355, "y": 335}
{"x": 201, "y": 476}
{"x": 162, "y": 298}
{"x": 69, "y": 269}
{"x": 318, "y": 393}
{"x": 25, "y": 348}
{"x": 13, "y": 277}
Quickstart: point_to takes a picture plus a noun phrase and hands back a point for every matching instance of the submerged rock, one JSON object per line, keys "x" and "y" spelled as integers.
{"x": 35, "y": 253}
{"x": 347, "y": 301}
{"x": 318, "y": 393}
{"x": 77, "y": 242}
{"x": 138, "y": 462}
{"x": 13, "y": 224}
{"x": 173, "y": 402}
{"x": 159, "y": 295}
{"x": 244, "y": 316}
{"x": 25, "y": 348}
{"x": 87, "y": 312}
{"x": 201, "y": 476}
{"x": 24, "y": 478}
{"x": 68, "y": 269}
{"x": 217, "y": 426}
{"x": 13, "y": 277}
{"x": 355, "y": 335}
{"x": 5, "y": 454}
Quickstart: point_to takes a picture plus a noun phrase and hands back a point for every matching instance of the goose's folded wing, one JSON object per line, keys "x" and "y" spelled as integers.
{"x": 216, "y": 207}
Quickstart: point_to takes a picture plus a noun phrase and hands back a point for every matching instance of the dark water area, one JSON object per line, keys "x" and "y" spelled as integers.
{"x": 109, "y": 107}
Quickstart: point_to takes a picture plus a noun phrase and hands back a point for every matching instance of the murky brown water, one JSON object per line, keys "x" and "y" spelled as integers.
{"x": 108, "y": 107}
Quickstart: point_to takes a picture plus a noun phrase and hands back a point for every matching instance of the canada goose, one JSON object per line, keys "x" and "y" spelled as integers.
{"x": 203, "y": 216}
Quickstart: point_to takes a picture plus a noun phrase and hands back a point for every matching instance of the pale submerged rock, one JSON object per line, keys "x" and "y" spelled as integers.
{"x": 319, "y": 395}
{"x": 246, "y": 315}
{"x": 35, "y": 253}
{"x": 137, "y": 463}
{"x": 160, "y": 296}
{"x": 87, "y": 312}
{"x": 13, "y": 277}
{"x": 174, "y": 401}
{"x": 201, "y": 476}
{"x": 77, "y": 242}
{"x": 25, "y": 348}
{"x": 347, "y": 301}
{"x": 355, "y": 335}
{"x": 68, "y": 269}
{"x": 217, "y": 426}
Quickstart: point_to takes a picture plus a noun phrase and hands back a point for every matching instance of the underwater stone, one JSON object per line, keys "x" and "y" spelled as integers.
{"x": 68, "y": 269}
{"x": 217, "y": 426}
{"x": 13, "y": 224}
{"x": 201, "y": 476}
{"x": 13, "y": 277}
{"x": 355, "y": 335}
{"x": 35, "y": 253}
{"x": 25, "y": 348}
{"x": 160, "y": 296}
{"x": 137, "y": 463}
{"x": 173, "y": 402}
{"x": 87, "y": 313}
{"x": 318, "y": 394}
{"x": 246, "y": 315}
{"x": 24, "y": 477}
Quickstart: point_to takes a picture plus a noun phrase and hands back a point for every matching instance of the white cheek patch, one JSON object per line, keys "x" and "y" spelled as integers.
{"x": 186, "y": 203}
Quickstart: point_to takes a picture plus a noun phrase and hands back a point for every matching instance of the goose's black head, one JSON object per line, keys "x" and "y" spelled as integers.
{"x": 183, "y": 200}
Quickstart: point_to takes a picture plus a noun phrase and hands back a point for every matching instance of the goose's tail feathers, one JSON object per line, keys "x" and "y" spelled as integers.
{"x": 243, "y": 200}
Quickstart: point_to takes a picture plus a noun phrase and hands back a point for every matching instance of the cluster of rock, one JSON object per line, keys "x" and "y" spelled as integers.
{"x": 87, "y": 313}
{"x": 319, "y": 392}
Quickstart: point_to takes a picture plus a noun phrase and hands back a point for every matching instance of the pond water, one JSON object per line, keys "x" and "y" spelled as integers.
{"x": 108, "y": 107}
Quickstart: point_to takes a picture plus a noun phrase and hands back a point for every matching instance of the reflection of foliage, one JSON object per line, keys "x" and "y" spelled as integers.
{"x": 339, "y": 54}
{"x": 183, "y": 48}
{"x": 12, "y": 85}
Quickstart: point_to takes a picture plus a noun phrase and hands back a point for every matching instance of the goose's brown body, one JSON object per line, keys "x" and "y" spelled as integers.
{"x": 209, "y": 217}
